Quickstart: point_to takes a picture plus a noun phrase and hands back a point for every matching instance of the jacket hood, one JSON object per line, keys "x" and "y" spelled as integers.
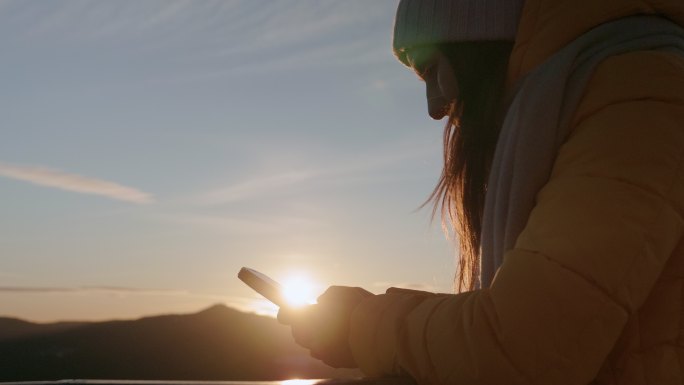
{"x": 548, "y": 25}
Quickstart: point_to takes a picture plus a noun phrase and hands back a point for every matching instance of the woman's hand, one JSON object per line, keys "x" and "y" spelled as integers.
{"x": 323, "y": 328}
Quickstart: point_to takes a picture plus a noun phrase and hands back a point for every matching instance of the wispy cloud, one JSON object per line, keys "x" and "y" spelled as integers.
{"x": 359, "y": 53}
{"x": 44, "y": 176}
{"x": 217, "y": 38}
{"x": 364, "y": 168}
{"x": 255, "y": 187}
{"x": 243, "y": 23}
{"x": 88, "y": 289}
{"x": 253, "y": 304}
{"x": 243, "y": 226}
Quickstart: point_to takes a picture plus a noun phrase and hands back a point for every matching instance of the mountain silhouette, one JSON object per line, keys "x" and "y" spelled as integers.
{"x": 219, "y": 343}
{"x": 14, "y": 328}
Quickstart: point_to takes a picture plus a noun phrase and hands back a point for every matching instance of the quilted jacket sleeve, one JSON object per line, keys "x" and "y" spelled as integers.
{"x": 595, "y": 244}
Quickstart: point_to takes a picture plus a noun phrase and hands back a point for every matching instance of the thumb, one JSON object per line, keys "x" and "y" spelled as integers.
{"x": 285, "y": 316}
{"x": 343, "y": 294}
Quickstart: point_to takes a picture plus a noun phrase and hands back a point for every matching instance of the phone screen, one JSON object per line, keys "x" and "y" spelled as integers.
{"x": 263, "y": 284}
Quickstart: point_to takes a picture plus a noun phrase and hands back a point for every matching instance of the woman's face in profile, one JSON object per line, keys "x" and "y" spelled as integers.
{"x": 433, "y": 67}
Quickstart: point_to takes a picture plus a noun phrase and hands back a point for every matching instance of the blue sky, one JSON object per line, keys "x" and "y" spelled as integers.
{"x": 151, "y": 148}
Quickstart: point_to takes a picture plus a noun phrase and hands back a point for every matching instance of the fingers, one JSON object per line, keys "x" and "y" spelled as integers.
{"x": 303, "y": 336}
{"x": 291, "y": 315}
{"x": 343, "y": 294}
{"x": 339, "y": 357}
{"x": 284, "y": 317}
{"x": 305, "y": 323}
{"x": 337, "y": 295}
{"x": 329, "y": 343}
{"x": 323, "y": 328}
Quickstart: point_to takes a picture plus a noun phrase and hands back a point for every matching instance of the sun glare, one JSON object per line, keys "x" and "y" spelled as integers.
{"x": 298, "y": 290}
{"x": 298, "y": 382}
{"x": 264, "y": 307}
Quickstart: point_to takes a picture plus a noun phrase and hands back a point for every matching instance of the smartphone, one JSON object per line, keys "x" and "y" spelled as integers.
{"x": 264, "y": 285}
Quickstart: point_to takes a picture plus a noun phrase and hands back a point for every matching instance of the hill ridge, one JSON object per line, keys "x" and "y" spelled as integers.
{"x": 216, "y": 343}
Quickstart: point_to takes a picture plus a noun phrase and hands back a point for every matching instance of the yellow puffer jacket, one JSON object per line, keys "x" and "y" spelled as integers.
{"x": 593, "y": 292}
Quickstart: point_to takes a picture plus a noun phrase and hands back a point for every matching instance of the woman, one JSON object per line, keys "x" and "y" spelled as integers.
{"x": 563, "y": 174}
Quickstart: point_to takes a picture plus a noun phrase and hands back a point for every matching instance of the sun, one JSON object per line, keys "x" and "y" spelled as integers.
{"x": 298, "y": 290}
{"x": 298, "y": 382}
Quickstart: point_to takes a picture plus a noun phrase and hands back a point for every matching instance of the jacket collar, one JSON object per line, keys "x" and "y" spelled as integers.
{"x": 548, "y": 25}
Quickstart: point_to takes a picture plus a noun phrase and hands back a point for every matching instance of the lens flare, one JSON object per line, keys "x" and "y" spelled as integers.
{"x": 299, "y": 382}
{"x": 298, "y": 291}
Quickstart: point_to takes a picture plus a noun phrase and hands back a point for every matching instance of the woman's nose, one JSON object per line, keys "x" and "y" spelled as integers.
{"x": 438, "y": 105}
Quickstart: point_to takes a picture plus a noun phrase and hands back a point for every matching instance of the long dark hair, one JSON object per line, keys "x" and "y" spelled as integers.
{"x": 470, "y": 139}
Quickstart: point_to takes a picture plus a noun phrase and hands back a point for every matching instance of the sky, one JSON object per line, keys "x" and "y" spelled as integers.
{"x": 151, "y": 148}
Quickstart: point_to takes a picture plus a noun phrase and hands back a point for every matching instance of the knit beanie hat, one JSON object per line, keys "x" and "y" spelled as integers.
{"x": 426, "y": 22}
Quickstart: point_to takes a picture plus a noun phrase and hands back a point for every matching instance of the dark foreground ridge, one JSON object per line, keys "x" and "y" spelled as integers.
{"x": 218, "y": 343}
{"x": 342, "y": 381}
{"x": 355, "y": 381}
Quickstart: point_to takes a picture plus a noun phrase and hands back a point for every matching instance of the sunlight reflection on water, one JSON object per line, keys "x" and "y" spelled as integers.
{"x": 298, "y": 382}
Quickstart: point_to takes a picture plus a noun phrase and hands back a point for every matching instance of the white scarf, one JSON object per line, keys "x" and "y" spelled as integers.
{"x": 538, "y": 122}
